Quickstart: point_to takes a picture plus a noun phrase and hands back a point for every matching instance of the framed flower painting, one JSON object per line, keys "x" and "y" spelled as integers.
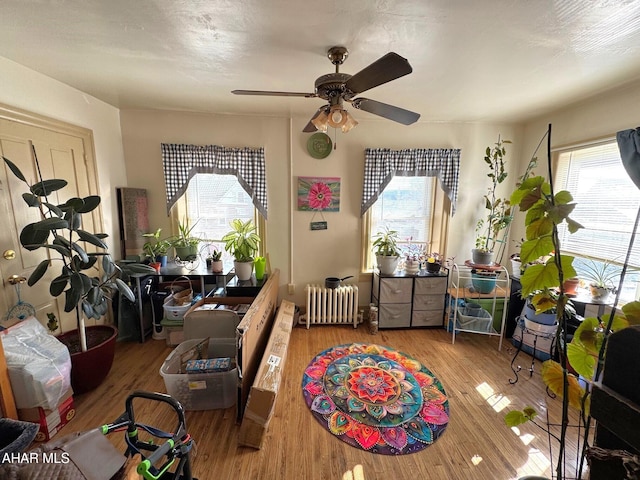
{"x": 320, "y": 194}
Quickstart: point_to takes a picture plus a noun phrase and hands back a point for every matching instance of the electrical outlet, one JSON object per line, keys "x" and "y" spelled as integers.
{"x": 292, "y": 288}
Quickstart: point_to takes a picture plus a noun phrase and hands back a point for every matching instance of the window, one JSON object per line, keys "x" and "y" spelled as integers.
{"x": 607, "y": 203}
{"x": 213, "y": 201}
{"x": 405, "y": 205}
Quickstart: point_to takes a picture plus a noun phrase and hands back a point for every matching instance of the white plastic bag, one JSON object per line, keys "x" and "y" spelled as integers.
{"x": 39, "y": 365}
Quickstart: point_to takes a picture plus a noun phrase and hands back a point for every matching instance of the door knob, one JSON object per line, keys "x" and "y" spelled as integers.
{"x": 16, "y": 279}
{"x": 9, "y": 254}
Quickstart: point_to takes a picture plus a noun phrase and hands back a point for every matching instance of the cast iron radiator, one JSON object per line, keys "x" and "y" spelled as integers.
{"x": 331, "y": 305}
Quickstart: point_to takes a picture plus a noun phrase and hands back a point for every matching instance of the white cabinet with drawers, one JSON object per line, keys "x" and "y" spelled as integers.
{"x": 409, "y": 300}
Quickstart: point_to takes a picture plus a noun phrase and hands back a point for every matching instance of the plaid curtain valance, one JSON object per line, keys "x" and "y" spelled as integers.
{"x": 181, "y": 162}
{"x": 381, "y": 164}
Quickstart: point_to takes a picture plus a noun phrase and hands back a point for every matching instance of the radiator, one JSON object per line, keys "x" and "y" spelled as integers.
{"x": 331, "y": 305}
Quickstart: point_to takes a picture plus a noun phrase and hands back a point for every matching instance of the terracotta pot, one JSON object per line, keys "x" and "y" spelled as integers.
{"x": 570, "y": 286}
{"x": 90, "y": 368}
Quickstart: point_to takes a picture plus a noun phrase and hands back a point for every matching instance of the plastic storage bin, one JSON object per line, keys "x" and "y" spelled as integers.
{"x": 199, "y": 391}
{"x": 476, "y": 319}
{"x": 205, "y": 391}
{"x": 173, "y": 311}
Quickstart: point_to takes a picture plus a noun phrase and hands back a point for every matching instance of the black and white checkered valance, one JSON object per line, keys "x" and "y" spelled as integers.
{"x": 381, "y": 164}
{"x": 181, "y": 162}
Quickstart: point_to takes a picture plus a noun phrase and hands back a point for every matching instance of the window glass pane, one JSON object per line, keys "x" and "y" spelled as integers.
{"x": 607, "y": 203}
{"x": 405, "y": 206}
{"x": 213, "y": 201}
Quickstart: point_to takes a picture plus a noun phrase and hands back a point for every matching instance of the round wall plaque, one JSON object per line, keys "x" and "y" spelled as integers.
{"x": 319, "y": 145}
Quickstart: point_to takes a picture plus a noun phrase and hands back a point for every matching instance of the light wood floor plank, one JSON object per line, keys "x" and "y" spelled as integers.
{"x": 476, "y": 445}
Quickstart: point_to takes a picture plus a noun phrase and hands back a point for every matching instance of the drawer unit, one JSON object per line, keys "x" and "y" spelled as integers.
{"x": 394, "y": 315}
{"x": 409, "y": 300}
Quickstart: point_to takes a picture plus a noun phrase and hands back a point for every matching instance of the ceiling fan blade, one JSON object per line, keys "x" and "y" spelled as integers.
{"x": 397, "y": 114}
{"x": 273, "y": 94}
{"x": 310, "y": 127}
{"x": 383, "y": 70}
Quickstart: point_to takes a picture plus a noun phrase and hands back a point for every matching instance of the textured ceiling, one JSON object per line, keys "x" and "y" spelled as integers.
{"x": 494, "y": 60}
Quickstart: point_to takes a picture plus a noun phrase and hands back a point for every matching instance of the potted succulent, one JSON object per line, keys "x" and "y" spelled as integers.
{"x": 386, "y": 250}
{"x": 242, "y": 242}
{"x": 214, "y": 261}
{"x": 498, "y": 215}
{"x": 88, "y": 275}
{"x": 157, "y": 249}
{"x": 185, "y": 244}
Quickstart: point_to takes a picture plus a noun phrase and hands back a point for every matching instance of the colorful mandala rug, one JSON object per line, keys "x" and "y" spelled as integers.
{"x": 376, "y": 398}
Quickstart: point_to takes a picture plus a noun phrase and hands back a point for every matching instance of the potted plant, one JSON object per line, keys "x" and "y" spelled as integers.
{"x": 242, "y": 242}
{"x": 214, "y": 261}
{"x": 185, "y": 244}
{"x": 157, "y": 249}
{"x": 433, "y": 262}
{"x": 386, "y": 250}
{"x": 498, "y": 215}
{"x": 602, "y": 276}
{"x": 86, "y": 283}
{"x": 413, "y": 257}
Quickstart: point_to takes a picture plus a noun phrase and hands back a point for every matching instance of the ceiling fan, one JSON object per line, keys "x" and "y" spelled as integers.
{"x": 337, "y": 88}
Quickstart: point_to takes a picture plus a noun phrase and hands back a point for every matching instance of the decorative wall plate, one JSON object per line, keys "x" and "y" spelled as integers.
{"x": 319, "y": 145}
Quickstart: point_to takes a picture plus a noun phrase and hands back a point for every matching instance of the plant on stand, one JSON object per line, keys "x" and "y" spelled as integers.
{"x": 386, "y": 249}
{"x": 584, "y": 354}
{"x": 86, "y": 284}
{"x": 242, "y": 242}
{"x": 498, "y": 215}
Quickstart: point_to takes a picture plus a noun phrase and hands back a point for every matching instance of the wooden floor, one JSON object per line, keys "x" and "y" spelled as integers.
{"x": 476, "y": 444}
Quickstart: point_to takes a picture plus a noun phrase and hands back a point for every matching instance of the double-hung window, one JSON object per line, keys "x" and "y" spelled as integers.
{"x": 606, "y": 205}
{"x": 406, "y": 206}
{"x": 412, "y": 192}
{"x": 212, "y": 201}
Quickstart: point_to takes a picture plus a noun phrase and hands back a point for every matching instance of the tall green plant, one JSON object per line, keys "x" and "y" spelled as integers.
{"x": 499, "y": 209}
{"x": 545, "y": 211}
{"x": 86, "y": 286}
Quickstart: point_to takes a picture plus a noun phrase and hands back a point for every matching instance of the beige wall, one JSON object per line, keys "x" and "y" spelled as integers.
{"x": 302, "y": 255}
{"x": 27, "y": 90}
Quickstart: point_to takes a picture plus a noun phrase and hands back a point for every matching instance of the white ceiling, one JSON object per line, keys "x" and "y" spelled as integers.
{"x": 489, "y": 60}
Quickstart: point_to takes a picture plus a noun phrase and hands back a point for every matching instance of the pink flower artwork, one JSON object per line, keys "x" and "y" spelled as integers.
{"x": 319, "y": 194}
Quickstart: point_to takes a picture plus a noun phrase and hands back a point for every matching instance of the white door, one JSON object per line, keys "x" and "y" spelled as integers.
{"x": 61, "y": 153}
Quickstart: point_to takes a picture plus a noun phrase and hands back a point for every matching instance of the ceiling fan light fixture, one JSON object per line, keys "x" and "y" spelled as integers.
{"x": 337, "y": 116}
{"x": 349, "y": 123}
{"x": 320, "y": 122}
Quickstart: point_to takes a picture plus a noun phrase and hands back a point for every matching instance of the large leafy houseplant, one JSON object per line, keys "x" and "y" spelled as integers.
{"x": 386, "y": 249}
{"x": 584, "y": 354}
{"x": 242, "y": 242}
{"x": 498, "y": 210}
{"x": 86, "y": 283}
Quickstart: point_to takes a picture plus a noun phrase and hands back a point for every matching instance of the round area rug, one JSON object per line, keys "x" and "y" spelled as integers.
{"x": 376, "y": 398}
